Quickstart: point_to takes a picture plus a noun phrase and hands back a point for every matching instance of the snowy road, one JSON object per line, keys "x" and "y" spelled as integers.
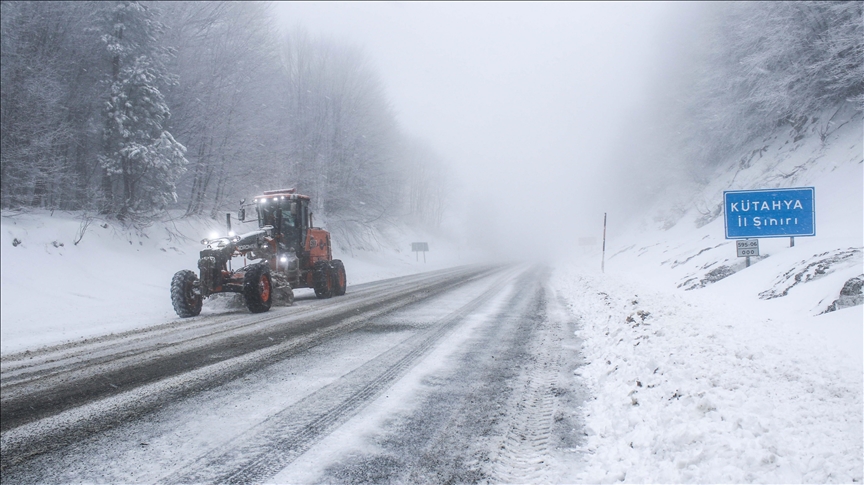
{"x": 450, "y": 376}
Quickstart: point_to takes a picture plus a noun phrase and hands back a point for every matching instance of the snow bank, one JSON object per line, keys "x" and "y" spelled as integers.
{"x": 693, "y": 390}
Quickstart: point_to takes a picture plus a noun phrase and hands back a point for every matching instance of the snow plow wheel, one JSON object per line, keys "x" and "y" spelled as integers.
{"x": 340, "y": 282}
{"x": 185, "y": 297}
{"x": 258, "y": 288}
{"x": 322, "y": 279}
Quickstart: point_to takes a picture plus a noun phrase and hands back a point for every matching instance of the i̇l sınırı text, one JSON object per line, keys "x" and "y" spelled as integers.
{"x": 747, "y": 206}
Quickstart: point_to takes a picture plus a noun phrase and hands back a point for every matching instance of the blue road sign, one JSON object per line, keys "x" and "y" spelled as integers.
{"x": 769, "y": 213}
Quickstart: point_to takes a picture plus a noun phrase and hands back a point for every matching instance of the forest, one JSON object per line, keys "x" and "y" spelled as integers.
{"x": 758, "y": 66}
{"x": 128, "y": 109}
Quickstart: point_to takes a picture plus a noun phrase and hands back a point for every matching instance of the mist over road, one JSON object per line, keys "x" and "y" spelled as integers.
{"x": 454, "y": 375}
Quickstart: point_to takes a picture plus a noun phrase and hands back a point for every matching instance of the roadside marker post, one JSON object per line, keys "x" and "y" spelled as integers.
{"x": 603, "y": 257}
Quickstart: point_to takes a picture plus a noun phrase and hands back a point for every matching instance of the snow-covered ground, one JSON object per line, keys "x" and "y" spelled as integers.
{"x": 117, "y": 279}
{"x": 699, "y": 369}
{"x": 742, "y": 378}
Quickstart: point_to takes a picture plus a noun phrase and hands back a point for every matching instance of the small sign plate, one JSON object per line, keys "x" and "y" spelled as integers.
{"x": 419, "y": 246}
{"x": 747, "y": 247}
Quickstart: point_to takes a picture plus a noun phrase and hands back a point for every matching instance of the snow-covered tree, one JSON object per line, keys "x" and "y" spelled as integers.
{"x": 425, "y": 184}
{"x": 756, "y": 66}
{"x": 224, "y": 105}
{"x": 343, "y": 134}
{"x": 141, "y": 160}
{"x": 48, "y": 91}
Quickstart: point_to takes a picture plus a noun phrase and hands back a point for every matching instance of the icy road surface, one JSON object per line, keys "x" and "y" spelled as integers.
{"x": 452, "y": 376}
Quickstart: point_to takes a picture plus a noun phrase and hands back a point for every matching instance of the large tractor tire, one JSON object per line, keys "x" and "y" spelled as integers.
{"x": 340, "y": 282}
{"x": 322, "y": 279}
{"x": 185, "y": 297}
{"x": 258, "y": 288}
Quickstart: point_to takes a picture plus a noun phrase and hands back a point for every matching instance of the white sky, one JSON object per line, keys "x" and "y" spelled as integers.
{"x": 528, "y": 102}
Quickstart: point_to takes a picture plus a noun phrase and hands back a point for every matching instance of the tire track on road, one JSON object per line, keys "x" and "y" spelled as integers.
{"x": 276, "y": 442}
{"x": 523, "y": 451}
{"x": 47, "y": 417}
{"x": 448, "y": 438}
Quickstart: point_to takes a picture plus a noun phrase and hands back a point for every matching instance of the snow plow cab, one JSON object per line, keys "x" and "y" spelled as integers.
{"x": 284, "y": 253}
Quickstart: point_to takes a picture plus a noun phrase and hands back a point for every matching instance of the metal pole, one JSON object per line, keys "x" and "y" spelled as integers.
{"x": 228, "y": 221}
{"x": 748, "y": 262}
{"x": 792, "y": 242}
{"x": 603, "y": 260}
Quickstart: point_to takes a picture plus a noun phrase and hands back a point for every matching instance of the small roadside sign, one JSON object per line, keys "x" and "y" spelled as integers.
{"x": 769, "y": 213}
{"x": 747, "y": 247}
{"x": 419, "y": 247}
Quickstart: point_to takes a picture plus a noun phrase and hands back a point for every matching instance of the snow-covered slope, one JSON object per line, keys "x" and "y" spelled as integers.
{"x": 704, "y": 370}
{"x": 686, "y": 235}
{"x": 692, "y": 254}
{"x": 117, "y": 278}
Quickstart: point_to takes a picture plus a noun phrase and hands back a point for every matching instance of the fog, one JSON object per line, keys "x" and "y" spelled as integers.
{"x": 534, "y": 106}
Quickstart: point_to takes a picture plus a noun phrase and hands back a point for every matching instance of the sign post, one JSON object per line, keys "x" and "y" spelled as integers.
{"x": 603, "y": 260}
{"x": 751, "y": 214}
{"x": 417, "y": 247}
{"x": 747, "y": 248}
